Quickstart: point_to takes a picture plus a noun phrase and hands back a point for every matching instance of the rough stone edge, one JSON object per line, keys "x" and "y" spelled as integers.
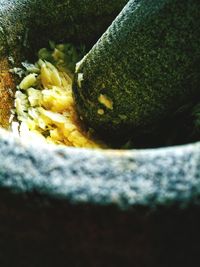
{"x": 148, "y": 177}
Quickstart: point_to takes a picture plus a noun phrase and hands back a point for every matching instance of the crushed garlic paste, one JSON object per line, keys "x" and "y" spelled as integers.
{"x": 44, "y": 106}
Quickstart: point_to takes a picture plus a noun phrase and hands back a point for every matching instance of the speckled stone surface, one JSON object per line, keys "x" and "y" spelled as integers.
{"x": 26, "y": 26}
{"x": 73, "y": 207}
{"x": 147, "y": 63}
{"x": 36, "y": 22}
{"x": 123, "y": 178}
{"x": 98, "y": 208}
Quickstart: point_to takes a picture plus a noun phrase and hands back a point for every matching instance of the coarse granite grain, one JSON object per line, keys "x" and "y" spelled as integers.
{"x": 147, "y": 63}
{"x": 64, "y": 206}
{"x": 26, "y": 26}
{"x": 122, "y": 178}
{"x": 37, "y": 22}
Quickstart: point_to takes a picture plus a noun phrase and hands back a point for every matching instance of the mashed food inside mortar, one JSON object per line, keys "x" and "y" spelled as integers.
{"x": 44, "y": 107}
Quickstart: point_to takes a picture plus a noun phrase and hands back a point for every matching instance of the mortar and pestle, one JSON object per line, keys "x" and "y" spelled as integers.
{"x": 80, "y": 207}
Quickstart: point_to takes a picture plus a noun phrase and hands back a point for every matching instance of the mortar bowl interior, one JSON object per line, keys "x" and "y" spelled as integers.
{"x": 100, "y": 207}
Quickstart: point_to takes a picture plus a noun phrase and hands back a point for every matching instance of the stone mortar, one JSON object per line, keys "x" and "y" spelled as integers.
{"x": 63, "y": 206}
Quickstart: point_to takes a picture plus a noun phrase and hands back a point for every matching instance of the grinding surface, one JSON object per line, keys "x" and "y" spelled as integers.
{"x": 147, "y": 63}
{"x": 26, "y": 26}
{"x": 31, "y": 24}
{"x": 52, "y": 200}
{"x": 123, "y": 178}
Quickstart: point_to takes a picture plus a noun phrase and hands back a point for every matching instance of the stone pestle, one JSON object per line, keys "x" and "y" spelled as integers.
{"x": 143, "y": 68}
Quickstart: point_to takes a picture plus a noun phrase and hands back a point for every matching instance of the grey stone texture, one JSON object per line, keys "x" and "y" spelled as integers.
{"x": 80, "y": 207}
{"x": 123, "y": 178}
{"x": 147, "y": 63}
{"x": 63, "y": 206}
